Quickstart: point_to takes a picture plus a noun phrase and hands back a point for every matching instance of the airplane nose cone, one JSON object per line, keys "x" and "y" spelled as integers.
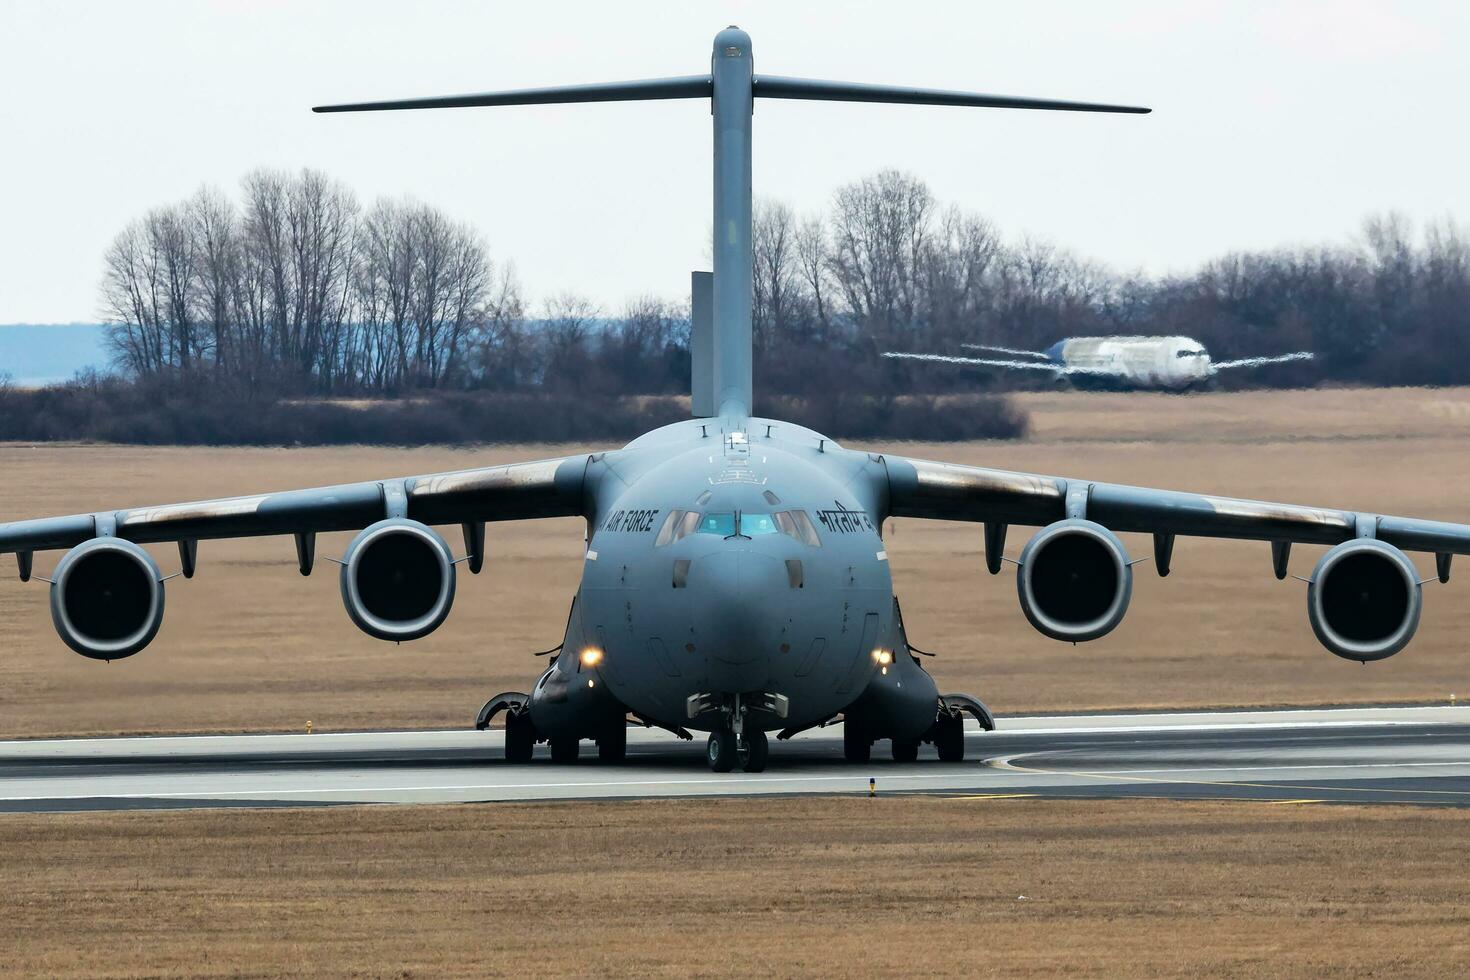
{"x": 733, "y": 593}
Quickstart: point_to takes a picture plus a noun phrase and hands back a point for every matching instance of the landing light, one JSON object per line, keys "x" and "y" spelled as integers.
{"x": 591, "y": 657}
{"x": 884, "y": 657}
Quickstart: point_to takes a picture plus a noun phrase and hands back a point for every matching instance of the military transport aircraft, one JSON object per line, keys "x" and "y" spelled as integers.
{"x": 1173, "y": 363}
{"x": 735, "y": 579}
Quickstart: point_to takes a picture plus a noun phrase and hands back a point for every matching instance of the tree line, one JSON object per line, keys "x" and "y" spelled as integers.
{"x": 294, "y": 287}
{"x": 886, "y": 266}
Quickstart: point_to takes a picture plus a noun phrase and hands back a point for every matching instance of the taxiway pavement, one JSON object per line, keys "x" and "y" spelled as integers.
{"x": 1417, "y": 755}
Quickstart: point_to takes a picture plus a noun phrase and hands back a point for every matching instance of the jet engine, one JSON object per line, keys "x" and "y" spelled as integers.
{"x": 398, "y": 580}
{"x": 1364, "y": 600}
{"x": 107, "y": 598}
{"x": 1074, "y": 580}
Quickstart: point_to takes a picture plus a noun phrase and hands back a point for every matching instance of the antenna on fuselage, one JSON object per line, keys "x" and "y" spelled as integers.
{"x": 731, "y": 86}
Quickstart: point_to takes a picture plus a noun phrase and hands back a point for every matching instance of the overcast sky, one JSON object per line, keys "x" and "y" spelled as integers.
{"x": 1274, "y": 123}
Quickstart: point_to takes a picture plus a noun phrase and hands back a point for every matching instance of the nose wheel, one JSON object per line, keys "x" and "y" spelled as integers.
{"x": 749, "y": 750}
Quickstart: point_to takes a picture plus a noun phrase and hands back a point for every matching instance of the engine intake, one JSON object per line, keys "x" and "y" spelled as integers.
{"x": 1364, "y": 600}
{"x": 1074, "y": 580}
{"x": 398, "y": 580}
{"x": 107, "y": 598}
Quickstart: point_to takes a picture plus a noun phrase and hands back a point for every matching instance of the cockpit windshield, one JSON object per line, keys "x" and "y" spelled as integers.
{"x": 792, "y": 523}
{"x": 721, "y": 524}
{"x": 753, "y": 524}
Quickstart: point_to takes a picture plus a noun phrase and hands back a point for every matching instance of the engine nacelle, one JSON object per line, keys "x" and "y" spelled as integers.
{"x": 107, "y": 598}
{"x": 398, "y": 580}
{"x": 1074, "y": 580}
{"x": 1364, "y": 600}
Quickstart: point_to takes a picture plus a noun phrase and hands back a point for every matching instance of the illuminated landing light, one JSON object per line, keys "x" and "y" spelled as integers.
{"x": 591, "y": 682}
{"x": 884, "y": 657}
{"x": 591, "y": 657}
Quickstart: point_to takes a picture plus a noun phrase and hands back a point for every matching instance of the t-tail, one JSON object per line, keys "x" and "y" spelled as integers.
{"x": 732, "y": 86}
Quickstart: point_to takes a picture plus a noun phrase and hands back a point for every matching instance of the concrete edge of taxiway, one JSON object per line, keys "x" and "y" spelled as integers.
{"x": 163, "y": 747}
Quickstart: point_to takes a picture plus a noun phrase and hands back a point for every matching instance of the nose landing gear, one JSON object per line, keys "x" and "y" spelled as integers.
{"x": 733, "y": 742}
{"x": 749, "y": 750}
{"x": 752, "y": 750}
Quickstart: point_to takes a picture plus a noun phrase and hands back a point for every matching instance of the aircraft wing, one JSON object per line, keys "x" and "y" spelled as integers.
{"x": 946, "y": 491}
{"x": 1246, "y": 362}
{"x": 979, "y": 361}
{"x": 1050, "y": 366}
{"x": 1033, "y": 354}
{"x": 515, "y": 491}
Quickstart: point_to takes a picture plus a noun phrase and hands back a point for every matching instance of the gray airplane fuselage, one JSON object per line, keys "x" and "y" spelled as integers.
{"x": 807, "y": 616}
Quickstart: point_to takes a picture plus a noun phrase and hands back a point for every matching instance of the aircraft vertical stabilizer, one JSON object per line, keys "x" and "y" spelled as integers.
{"x": 731, "y": 86}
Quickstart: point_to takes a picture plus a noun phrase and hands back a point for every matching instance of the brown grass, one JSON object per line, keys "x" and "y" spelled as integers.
{"x": 717, "y": 887}
{"x": 248, "y": 644}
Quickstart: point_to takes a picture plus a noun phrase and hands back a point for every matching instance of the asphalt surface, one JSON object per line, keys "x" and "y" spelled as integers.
{"x": 1361, "y": 755}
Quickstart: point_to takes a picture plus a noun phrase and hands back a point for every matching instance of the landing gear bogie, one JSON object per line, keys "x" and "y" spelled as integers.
{"x": 565, "y": 749}
{"x": 856, "y": 745}
{"x": 520, "y": 737}
{"x": 949, "y": 737}
{"x": 612, "y": 745}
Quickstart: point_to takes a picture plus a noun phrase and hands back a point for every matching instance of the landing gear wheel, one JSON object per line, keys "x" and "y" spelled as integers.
{"x": 520, "y": 737}
{"x": 905, "y": 750}
{"x": 949, "y": 738}
{"x": 856, "y": 746}
{"x": 720, "y": 750}
{"x": 613, "y": 745}
{"x": 752, "y": 750}
{"x": 564, "y": 750}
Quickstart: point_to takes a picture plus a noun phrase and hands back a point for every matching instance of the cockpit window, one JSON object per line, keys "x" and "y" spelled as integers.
{"x": 721, "y": 524}
{"x": 678, "y": 524}
{"x": 796, "y": 524}
{"x": 1190, "y": 353}
{"x": 753, "y": 524}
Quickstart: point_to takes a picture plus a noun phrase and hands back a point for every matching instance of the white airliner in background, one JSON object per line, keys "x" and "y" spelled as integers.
{"x": 1136, "y": 362}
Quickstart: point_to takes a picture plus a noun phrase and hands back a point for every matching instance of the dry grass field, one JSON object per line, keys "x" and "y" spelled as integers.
{"x": 897, "y": 886}
{"x": 249, "y": 644}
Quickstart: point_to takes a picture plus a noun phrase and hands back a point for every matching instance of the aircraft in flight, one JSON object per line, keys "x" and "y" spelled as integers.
{"x": 1173, "y": 363}
{"x": 735, "y": 580}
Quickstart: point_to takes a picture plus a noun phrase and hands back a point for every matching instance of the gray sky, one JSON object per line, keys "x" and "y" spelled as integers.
{"x": 1274, "y": 122}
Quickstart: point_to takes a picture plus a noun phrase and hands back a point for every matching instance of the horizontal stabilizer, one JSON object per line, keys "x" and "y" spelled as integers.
{"x": 1246, "y": 362}
{"x": 780, "y": 87}
{"x": 683, "y": 87}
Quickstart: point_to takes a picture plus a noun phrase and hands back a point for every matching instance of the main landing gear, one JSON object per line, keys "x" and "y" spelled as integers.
{"x": 521, "y": 735}
{"x": 749, "y": 750}
{"x": 946, "y": 733}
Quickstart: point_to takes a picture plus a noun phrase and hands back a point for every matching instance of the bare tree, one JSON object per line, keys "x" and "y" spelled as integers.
{"x": 814, "y": 261}
{"x": 215, "y": 228}
{"x": 567, "y": 328}
{"x": 148, "y": 292}
{"x": 777, "y": 307}
{"x": 505, "y": 352}
{"x": 958, "y": 276}
{"x": 880, "y": 230}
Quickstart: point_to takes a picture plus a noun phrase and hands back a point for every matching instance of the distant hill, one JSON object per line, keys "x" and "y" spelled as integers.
{"x": 45, "y": 353}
